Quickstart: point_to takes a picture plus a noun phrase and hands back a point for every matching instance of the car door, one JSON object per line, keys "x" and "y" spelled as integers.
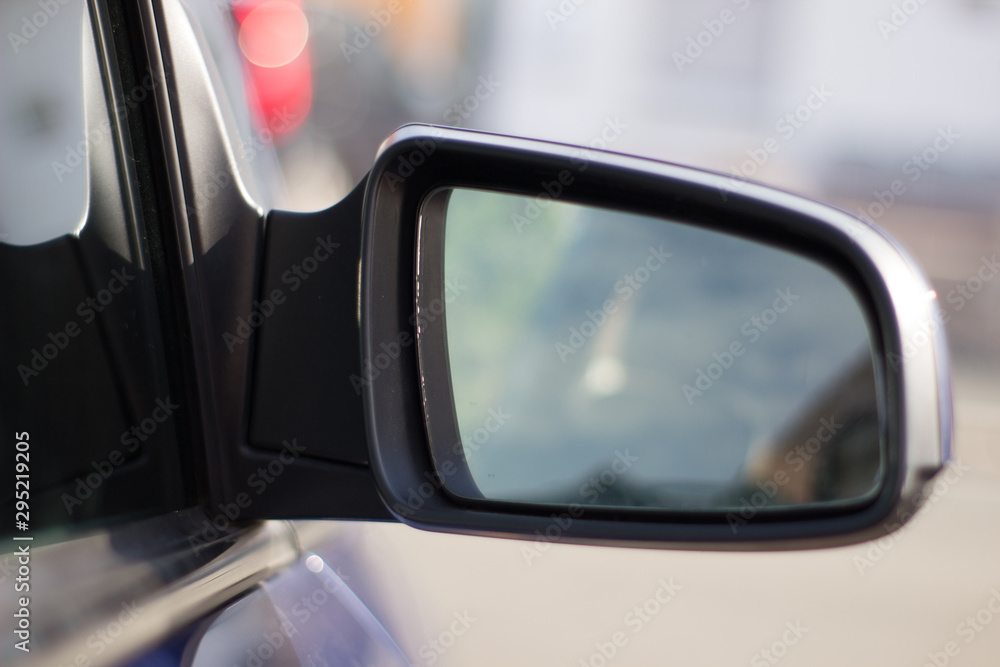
{"x": 111, "y": 553}
{"x": 257, "y": 446}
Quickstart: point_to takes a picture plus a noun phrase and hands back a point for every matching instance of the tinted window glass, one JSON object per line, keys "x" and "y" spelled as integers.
{"x": 83, "y": 376}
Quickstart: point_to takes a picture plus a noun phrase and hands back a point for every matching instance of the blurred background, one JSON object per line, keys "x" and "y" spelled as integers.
{"x": 852, "y": 101}
{"x": 889, "y": 110}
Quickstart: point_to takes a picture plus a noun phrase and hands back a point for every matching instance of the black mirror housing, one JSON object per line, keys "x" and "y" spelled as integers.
{"x": 911, "y": 366}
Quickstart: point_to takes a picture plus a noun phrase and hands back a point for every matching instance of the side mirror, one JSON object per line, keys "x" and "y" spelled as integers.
{"x": 602, "y": 348}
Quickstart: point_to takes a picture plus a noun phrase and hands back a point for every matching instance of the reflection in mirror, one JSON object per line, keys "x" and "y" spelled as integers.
{"x": 609, "y": 359}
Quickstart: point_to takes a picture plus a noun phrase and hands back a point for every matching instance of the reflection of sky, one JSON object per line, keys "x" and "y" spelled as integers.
{"x": 623, "y": 388}
{"x": 43, "y": 175}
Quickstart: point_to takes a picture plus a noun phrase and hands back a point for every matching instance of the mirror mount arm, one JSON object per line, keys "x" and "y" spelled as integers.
{"x": 307, "y": 378}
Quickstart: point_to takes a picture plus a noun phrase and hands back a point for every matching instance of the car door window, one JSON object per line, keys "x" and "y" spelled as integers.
{"x": 85, "y": 376}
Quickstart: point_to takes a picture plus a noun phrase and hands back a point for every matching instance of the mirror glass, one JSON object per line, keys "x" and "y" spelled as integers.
{"x": 610, "y": 359}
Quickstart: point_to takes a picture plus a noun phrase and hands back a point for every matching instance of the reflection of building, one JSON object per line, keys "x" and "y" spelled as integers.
{"x": 829, "y": 453}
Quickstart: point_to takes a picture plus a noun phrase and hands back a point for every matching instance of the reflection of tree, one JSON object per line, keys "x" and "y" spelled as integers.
{"x": 827, "y": 452}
